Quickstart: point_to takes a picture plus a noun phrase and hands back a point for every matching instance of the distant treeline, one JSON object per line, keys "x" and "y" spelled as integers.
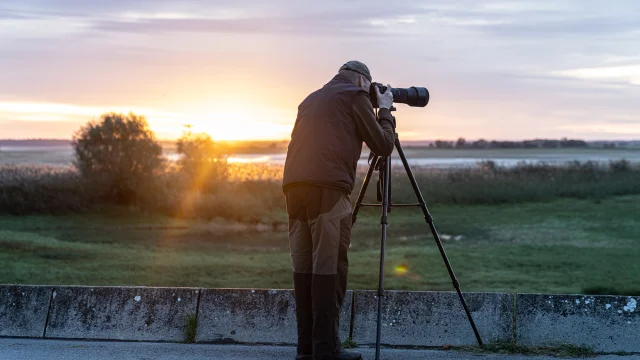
{"x": 278, "y": 146}
{"x": 461, "y": 143}
{"x": 35, "y": 142}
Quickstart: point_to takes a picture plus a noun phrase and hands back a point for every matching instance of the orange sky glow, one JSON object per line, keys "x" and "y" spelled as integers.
{"x": 239, "y": 69}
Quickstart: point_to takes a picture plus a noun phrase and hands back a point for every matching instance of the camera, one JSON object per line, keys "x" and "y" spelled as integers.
{"x": 413, "y": 96}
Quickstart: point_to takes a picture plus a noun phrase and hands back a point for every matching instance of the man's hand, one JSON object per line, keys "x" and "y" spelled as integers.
{"x": 385, "y": 100}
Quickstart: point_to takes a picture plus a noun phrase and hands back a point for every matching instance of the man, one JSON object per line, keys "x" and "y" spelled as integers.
{"x": 319, "y": 175}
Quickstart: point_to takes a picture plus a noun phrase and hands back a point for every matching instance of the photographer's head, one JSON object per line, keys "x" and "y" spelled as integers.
{"x": 358, "y": 73}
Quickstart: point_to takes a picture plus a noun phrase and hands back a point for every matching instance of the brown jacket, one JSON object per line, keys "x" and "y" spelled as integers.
{"x": 326, "y": 141}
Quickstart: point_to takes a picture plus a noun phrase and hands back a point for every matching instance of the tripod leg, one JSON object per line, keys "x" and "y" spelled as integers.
{"x": 363, "y": 189}
{"x": 383, "y": 241}
{"x": 429, "y": 219}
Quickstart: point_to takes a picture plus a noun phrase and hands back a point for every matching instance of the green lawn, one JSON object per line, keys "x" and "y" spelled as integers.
{"x": 564, "y": 246}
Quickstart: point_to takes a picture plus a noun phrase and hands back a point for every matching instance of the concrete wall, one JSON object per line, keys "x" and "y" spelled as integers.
{"x": 23, "y": 310}
{"x": 607, "y": 323}
{"x": 433, "y": 318}
{"x": 254, "y": 316}
{"x": 121, "y": 313}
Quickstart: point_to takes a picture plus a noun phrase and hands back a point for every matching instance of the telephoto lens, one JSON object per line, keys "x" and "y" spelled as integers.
{"x": 413, "y": 96}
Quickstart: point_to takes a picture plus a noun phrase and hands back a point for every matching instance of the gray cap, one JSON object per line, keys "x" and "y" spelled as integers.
{"x": 357, "y": 66}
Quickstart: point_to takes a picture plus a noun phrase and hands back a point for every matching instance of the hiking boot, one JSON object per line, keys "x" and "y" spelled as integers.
{"x": 347, "y": 355}
{"x": 324, "y": 316}
{"x": 304, "y": 315}
{"x": 339, "y": 355}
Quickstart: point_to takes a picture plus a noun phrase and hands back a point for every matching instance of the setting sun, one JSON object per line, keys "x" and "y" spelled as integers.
{"x": 241, "y": 124}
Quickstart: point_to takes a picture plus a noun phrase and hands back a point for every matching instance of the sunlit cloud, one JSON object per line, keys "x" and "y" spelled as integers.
{"x": 472, "y": 22}
{"x": 214, "y": 14}
{"x": 513, "y": 7}
{"x": 171, "y": 16}
{"x": 232, "y": 124}
{"x": 45, "y": 117}
{"x": 627, "y": 73}
{"x": 58, "y": 110}
{"x": 622, "y": 59}
{"x": 393, "y": 21}
{"x": 40, "y": 28}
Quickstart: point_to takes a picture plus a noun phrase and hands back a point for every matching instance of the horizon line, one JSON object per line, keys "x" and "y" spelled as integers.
{"x": 406, "y": 141}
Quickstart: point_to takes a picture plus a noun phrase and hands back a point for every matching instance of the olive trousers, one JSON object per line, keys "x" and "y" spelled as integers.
{"x": 319, "y": 238}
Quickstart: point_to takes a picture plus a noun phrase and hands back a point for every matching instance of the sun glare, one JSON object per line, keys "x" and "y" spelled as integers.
{"x": 241, "y": 130}
{"x": 242, "y": 124}
{"x": 236, "y": 123}
{"x": 255, "y": 160}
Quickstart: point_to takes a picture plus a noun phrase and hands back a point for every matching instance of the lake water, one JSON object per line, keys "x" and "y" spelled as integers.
{"x": 63, "y": 156}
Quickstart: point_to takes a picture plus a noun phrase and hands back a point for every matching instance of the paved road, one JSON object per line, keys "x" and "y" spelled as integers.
{"x": 25, "y": 349}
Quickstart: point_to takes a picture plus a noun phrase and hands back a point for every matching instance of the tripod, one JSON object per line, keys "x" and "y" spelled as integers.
{"x": 383, "y": 165}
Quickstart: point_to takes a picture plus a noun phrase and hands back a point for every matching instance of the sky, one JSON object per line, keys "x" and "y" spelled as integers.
{"x": 237, "y": 69}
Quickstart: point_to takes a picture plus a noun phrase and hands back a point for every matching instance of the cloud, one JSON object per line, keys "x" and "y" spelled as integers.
{"x": 14, "y": 129}
{"x": 503, "y": 66}
{"x": 627, "y": 73}
{"x": 242, "y": 26}
{"x": 367, "y": 21}
{"x": 8, "y": 15}
{"x": 543, "y": 19}
{"x": 591, "y": 26}
{"x": 606, "y": 129}
{"x": 277, "y": 16}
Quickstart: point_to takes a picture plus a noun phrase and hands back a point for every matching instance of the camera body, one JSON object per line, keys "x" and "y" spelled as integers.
{"x": 413, "y": 96}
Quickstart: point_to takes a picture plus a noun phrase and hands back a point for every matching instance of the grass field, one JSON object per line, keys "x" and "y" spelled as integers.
{"x": 560, "y": 246}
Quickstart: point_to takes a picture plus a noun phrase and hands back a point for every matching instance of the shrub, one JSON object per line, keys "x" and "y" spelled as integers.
{"x": 253, "y": 192}
{"x": 42, "y": 189}
{"x": 119, "y": 155}
{"x": 489, "y": 184}
{"x": 488, "y": 165}
{"x": 620, "y": 166}
{"x": 203, "y": 161}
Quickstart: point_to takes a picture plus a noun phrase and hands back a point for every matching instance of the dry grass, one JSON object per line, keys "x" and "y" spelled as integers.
{"x": 255, "y": 172}
{"x": 253, "y": 194}
{"x": 42, "y": 189}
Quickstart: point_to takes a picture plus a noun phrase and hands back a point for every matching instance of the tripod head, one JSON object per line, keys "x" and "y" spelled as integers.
{"x": 381, "y": 167}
